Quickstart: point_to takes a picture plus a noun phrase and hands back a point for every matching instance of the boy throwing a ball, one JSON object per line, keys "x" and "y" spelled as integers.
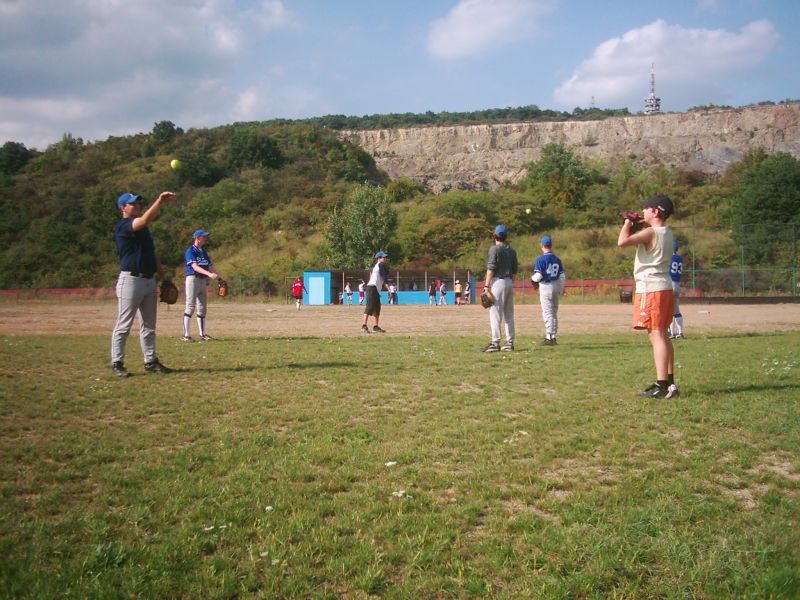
{"x": 654, "y": 299}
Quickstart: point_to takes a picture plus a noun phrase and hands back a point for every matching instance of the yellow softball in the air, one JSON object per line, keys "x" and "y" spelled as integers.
{"x": 175, "y": 164}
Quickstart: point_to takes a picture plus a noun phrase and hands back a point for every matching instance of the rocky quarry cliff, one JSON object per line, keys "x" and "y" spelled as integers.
{"x": 481, "y": 157}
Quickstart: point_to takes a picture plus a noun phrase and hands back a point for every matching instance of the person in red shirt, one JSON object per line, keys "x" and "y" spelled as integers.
{"x": 297, "y": 292}
{"x": 362, "y": 286}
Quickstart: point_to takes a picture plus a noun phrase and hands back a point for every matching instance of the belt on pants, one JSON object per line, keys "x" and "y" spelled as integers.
{"x": 137, "y": 274}
{"x": 199, "y": 276}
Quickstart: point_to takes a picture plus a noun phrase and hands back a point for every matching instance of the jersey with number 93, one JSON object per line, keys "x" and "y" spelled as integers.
{"x": 676, "y": 267}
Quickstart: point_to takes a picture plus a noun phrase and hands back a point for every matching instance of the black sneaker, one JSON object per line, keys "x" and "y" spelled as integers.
{"x": 680, "y": 337}
{"x": 156, "y": 367}
{"x": 377, "y": 329}
{"x": 547, "y": 342}
{"x": 508, "y": 347}
{"x": 119, "y": 370}
{"x": 365, "y": 329}
{"x": 656, "y": 391}
{"x": 492, "y": 347}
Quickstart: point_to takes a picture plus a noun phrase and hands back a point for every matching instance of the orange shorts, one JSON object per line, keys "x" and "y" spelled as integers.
{"x": 653, "y": 310}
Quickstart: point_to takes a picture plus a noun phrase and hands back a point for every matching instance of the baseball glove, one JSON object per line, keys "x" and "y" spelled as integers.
{"x": 634, "y": 218}
{"x": 487, "y": 298}
{"x": 169, "y": 292}
{"x": 223, "y": 287}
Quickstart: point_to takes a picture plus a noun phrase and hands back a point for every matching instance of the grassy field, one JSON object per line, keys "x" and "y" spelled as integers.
{"x": 400, "y": 467}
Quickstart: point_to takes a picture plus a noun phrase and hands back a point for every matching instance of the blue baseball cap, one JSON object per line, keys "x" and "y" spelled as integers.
{"x": 500, "y": 230}
{"x": 546, "y": 241}
{"x": 381, "y": 254}
{"x": 200, "y": 233}
{"x": 128, "y": 198}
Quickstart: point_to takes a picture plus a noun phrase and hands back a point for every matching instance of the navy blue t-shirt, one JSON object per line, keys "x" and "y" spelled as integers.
{"x": 137, "y": 252}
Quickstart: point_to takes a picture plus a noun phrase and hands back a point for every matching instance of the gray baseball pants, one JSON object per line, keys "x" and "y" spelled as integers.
{"x": 549, "y": 293}
{"x": 196, "y": 295}
{"x": 676, "y": 290}
{"x": 503, "y": 309}
{"x": 135, "y": 295}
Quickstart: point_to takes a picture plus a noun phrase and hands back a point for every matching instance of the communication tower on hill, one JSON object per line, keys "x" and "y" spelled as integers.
{"x": 652, "y": 104}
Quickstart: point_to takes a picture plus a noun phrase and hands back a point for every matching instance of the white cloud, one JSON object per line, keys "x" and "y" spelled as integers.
{"x": 693, "y": 66}
{"x": 473, "y": 26}
{"x": 106, "y": 67}
{"x": 272, "y": 14}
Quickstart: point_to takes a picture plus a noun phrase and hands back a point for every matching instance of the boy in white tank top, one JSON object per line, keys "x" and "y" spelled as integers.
{"x": 654, "y": 300}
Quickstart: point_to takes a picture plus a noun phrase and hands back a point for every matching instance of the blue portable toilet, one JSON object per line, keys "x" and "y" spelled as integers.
{"x": 318, "y": 287}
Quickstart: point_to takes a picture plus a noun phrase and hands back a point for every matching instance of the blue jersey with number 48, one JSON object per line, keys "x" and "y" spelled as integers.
{"x": 196, "y": 255}
{"x": 676, "y": 267}
{"x": 549, "y": 265}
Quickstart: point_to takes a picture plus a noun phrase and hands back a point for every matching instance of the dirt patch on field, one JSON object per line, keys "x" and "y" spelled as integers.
{"x": 236, "y": 319}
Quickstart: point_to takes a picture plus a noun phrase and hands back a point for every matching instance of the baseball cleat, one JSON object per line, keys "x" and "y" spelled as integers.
{"x": 679, "y": 337}
{"x": 508, "y": 347}
{"x": 377, "y": 329}
{"x": 187, "y": 338}
{"x": 547, "y": 342}
{"x": 119, "y": 370}
{"x": 656, "y": 391}
{"x": 206, "y": 338}
{"x": 365, "y": 329}
{"x": 156, "y": 367}
{"x": 673, "y": 391}
{"x": 491, "y": 347}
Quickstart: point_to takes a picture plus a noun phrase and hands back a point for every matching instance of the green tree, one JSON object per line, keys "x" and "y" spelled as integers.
{"x": 199, "y": 168}
{"x": 13, "y": 156}
{"x": 768, "y": 195}
{"x": 769, "y": 186}
{"x": 560, "y": 180}
{"x": 165, "y": 131}
{"x": 360, "y": 226}
{"x": 403, "y": 189}
{"x": 250, "y": 148}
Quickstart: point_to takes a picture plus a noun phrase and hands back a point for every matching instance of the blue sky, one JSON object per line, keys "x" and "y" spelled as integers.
{"x": 95, "y": 68}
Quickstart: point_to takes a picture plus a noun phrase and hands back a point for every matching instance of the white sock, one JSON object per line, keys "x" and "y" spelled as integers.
{"x": 201, "y": 324}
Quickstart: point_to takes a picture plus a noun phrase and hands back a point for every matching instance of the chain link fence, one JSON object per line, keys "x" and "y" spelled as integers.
{"x": 748, "y": 259}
